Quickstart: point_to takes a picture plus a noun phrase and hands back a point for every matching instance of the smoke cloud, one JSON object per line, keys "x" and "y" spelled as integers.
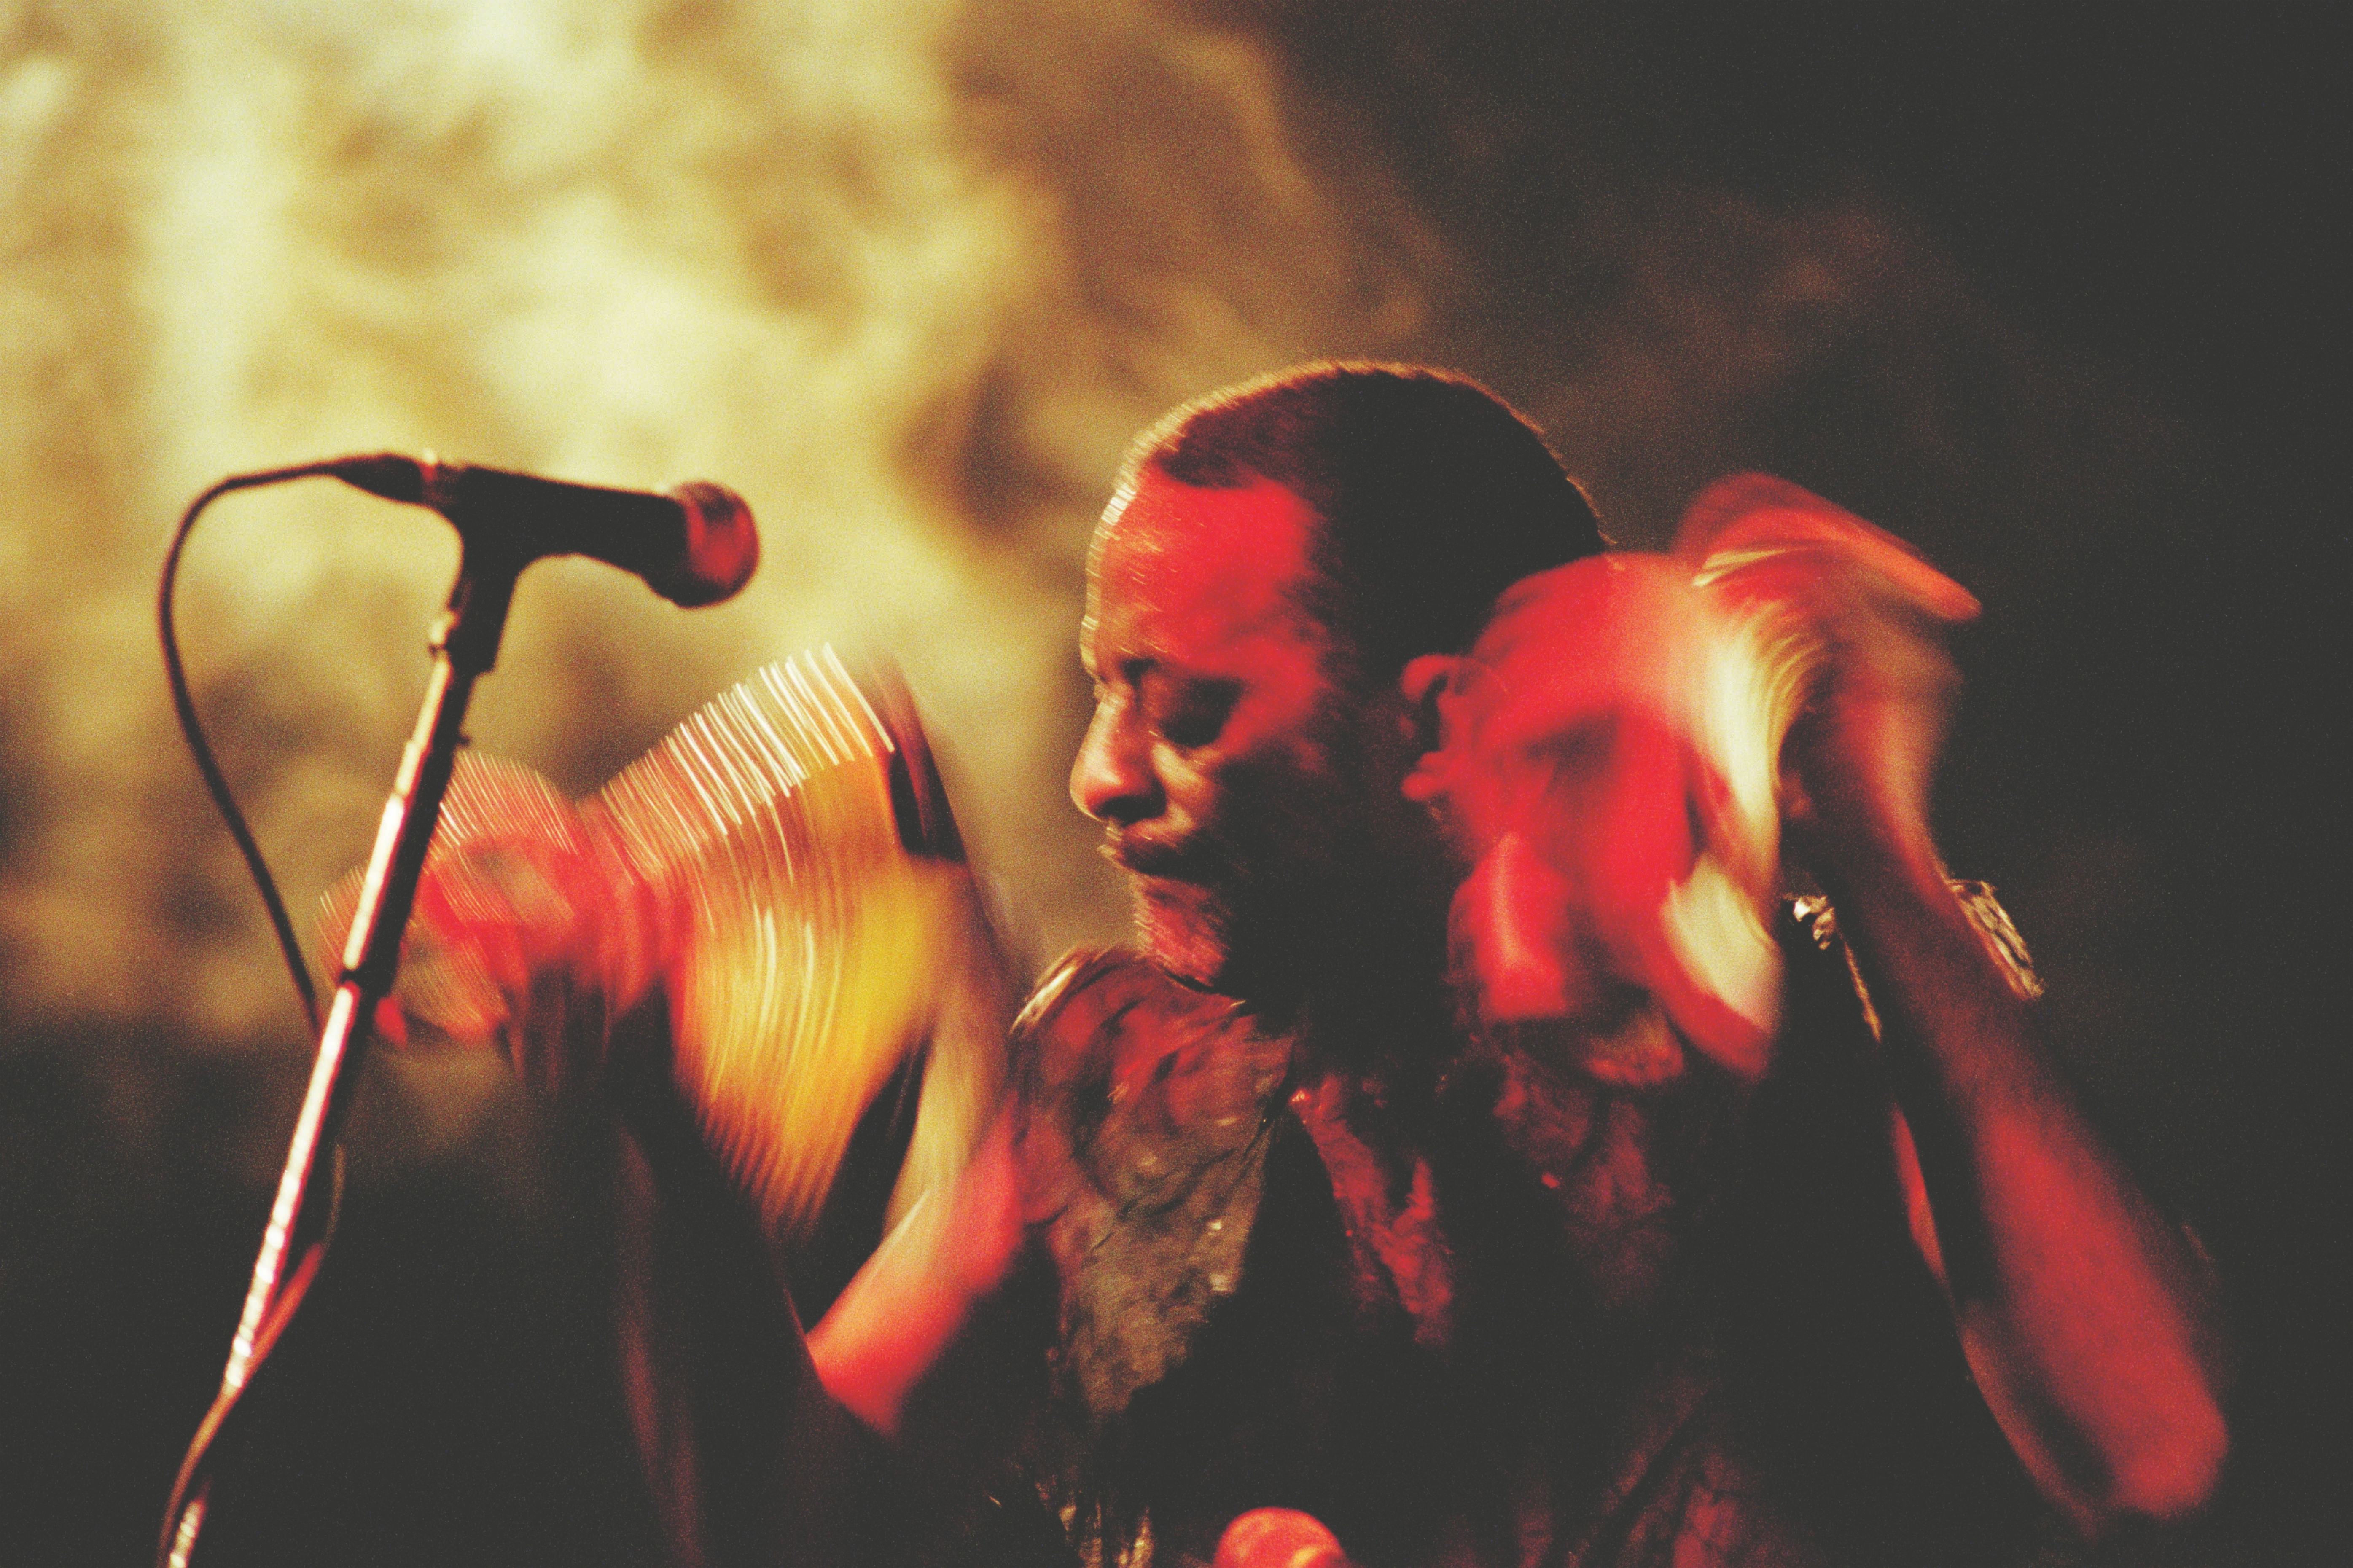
{"x": 907, "y": 279}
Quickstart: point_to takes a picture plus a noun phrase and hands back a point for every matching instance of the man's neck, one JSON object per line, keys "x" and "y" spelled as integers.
{"x": 1371, "y": 1025}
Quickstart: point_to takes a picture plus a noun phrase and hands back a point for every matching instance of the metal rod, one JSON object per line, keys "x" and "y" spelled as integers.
{"x": 465, "y": 643}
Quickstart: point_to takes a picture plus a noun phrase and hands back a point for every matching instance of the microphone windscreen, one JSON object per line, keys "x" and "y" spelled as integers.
{"x": 1279, "y": 1538}
{"x": 722, "y": 547}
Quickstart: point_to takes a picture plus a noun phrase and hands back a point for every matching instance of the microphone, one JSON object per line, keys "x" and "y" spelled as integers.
{"x": 694, "y": 546}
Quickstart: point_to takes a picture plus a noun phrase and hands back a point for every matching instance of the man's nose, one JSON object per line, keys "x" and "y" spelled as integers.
{"x": 1111, "y": 779}
{"x": 1512, "y": 934}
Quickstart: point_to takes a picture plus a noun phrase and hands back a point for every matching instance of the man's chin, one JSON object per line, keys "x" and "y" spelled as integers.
{"x": 1182, "y": 929}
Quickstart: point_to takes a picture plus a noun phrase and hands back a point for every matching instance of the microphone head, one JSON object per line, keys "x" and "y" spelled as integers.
{"x": 722, "y": 546}
{"x": 1279, "y": 1538}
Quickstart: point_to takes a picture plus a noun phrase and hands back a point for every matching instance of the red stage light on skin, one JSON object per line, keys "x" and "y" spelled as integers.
{"x": 1213, "y": 760}
{"x": 1587, "y": 778}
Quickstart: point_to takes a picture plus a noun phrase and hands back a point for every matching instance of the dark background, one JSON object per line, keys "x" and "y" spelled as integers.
{"x": 2087, "y": 349}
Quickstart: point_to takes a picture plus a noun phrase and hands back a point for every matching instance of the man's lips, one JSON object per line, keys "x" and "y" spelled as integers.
{"x": 1154, "y": 861}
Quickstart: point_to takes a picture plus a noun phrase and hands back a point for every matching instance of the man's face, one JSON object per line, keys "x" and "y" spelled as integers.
{"x": 1223, "y": 759}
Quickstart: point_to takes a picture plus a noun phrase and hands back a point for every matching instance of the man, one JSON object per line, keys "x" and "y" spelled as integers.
{"x": 1272, "y": 558}
{"x": 1258, "y": 1230}
{"x": 1292, "y": 1242}
{"x": 1271, "y": 563}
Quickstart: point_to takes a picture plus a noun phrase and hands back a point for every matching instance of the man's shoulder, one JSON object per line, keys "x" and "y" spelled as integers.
{"x": 1108, "y": 1023}
{"x": 1142, "y": 1106}
{"x": 1131, "y": 1086}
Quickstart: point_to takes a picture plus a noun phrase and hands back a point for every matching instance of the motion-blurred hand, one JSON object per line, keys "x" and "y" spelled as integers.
{"x": 1595, "y": 796}
{"x": 1864, "y": 618}
{"x": 525, "y": 938}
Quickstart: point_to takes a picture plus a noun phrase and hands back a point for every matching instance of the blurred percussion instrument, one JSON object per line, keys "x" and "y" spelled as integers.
{"x": 784, "y": 866}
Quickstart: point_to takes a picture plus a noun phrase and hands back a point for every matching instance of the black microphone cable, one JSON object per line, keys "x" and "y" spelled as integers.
{"x": 193, "y": 1466}
{"x": 191, "y": 727}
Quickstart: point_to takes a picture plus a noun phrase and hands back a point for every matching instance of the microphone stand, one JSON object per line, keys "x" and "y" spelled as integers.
{"x": 464, "y": 644}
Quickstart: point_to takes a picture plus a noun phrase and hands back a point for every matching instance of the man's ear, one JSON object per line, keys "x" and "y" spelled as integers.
{"x": 1422, "y": 684}
{"x": 1424, "y": 681}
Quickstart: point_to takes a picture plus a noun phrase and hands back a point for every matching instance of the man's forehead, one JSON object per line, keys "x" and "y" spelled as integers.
{"x": 1201, "y": 560}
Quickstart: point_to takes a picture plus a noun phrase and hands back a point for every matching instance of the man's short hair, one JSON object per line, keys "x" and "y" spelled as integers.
{"x": 1431, "y": 494}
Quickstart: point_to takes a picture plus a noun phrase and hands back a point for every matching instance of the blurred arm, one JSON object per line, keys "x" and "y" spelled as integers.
{"x": 748, "y": 1460}
{"x": 912, "y": 1301}
{"x": 2088, "y": 1319}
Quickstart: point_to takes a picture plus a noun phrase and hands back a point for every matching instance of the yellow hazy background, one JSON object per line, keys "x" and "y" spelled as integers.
{"x": 907, "y": 277}
{"x": 812, "y": 251}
